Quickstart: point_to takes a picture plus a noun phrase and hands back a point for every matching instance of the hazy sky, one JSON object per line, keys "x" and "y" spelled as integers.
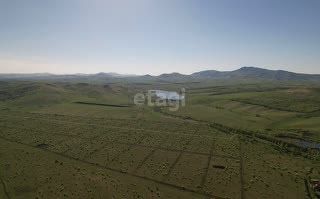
{"x": 158, "y": 36}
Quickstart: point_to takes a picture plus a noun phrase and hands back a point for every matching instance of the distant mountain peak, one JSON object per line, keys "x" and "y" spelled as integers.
{"x": 252, "y": 68}
{"x": 111, "y": 74}
{"x": 170, "y": 74}
{"x": 206, "y": 73}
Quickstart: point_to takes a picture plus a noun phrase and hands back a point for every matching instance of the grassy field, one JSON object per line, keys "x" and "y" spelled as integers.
{"x": 53, "y": 147}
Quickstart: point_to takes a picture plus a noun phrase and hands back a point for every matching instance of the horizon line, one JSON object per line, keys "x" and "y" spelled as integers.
{"x": 123, "y": 74}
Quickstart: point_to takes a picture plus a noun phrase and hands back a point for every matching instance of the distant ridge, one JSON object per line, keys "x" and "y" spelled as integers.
{"x": 256, "y": 73}
{"x": 241, "y": 73}
{"x": 207, "y": 74}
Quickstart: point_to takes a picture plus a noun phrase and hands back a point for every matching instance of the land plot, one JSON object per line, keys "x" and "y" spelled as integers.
{"x": 154, "y": 139}
{"x": 188, "y": 171}
{"x": 270, "y": 174}
{"x": 51, "y": 142}
{"x": 177, "y": 142}
{"x": 84, "y": 148}
{"x": 35, "y": 173}
{"x": 34, "y": 138}
{"x": 223, "y": 178}
{"x": 228, "y": 147}
{"x": 129, "y": 137}
{"x": 107, "y": 153}
{"x": 17, "y": 134}
{"x": 157, "y": 166}
{"x": 200, "y": 145}
{"x": 130, "y": 159}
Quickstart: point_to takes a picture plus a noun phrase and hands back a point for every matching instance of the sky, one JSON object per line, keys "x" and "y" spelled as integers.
{"x": 158, "y": 36}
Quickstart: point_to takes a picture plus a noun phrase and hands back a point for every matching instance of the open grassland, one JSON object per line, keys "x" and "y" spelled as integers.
{"x": 61, "y": 149}
{"x": 130, "y": 158}
{"x": 302, "y": 100}
{"x": 281, "y": 110}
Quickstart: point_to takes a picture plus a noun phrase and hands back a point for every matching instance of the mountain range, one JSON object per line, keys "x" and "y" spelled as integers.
{"x": 253, "y": 73}
{"x": 241, "y": 73}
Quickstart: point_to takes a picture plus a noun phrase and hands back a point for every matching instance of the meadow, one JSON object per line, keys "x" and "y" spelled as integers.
{"x": 88, "y": 140}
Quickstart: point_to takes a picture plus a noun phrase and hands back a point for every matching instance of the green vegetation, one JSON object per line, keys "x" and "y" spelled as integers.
{"x": 302, "y": 100}
{"x": 88, "y": 140}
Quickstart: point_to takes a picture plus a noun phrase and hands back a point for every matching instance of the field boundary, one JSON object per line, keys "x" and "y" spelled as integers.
{"x": 117, "y": 171}
{"x": 129, "y": 147}
{"x": 167, "y": 175}
{"x": 125, "y": 128}
{"x": 148, "y": 146}
{"x": 205, "y": 176}
{"x": 273, "y": 108}
{"x": 252, "y": 134}
{"x": 101, "y": 104}
{"x": 5, "y": 188}
{"x": 149, "y": 155}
